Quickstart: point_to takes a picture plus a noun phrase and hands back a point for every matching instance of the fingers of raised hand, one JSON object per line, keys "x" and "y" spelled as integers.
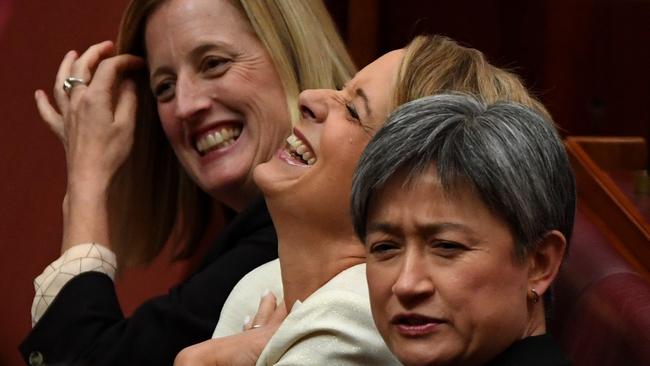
{"x": 123, "y": 121}
{"x": 109, "y": 70}
{"x": 126, "y": 104}
{"x": 84, "y": 67}
{"x": 49, "y": 115}
{"x": 60, "y": 96}
{"x": 108, "y": 80}
{"x": 101, "y": 118}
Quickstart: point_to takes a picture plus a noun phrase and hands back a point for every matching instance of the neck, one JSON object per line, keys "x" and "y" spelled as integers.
{"x": 310, "y": 255}
{"x": 238, "y": 198}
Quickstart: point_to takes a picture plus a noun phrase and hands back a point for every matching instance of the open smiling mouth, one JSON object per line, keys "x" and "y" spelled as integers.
{"x": 220, "y": 138}
{"x": 300, "y": 150}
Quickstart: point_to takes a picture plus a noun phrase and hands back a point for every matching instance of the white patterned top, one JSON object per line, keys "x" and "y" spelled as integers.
{"x": 74, "y": 261}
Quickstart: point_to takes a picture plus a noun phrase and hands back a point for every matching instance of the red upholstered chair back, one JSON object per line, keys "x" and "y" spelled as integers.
{"x": 602, "y": 305}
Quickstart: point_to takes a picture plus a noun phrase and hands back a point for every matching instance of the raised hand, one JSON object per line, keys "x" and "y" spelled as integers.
{"x": 94, "y": 120}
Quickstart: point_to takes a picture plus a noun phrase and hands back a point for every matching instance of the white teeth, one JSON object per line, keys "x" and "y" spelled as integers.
{"x": 294, "y": 141}
{"x": 297, "y": 146}
{"x": 217, "y": 139}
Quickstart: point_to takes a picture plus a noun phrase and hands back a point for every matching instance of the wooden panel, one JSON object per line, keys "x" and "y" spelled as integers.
{"x": 615, "y": 153}
{"x": 586, "y": 59}
{"x": 619, "y": 218}
{"x": 363, "y": 36}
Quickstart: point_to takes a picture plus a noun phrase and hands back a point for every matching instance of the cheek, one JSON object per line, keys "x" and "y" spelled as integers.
{"x": 268, "y": 111}
{"x": 379, "y": 287}
{"x": 346, "y": 150}
{"x": 172, "y": 129}
{"x": 379, "y": 283}
{"x": 275, "y": 120}
{"x": 485, "y": 297}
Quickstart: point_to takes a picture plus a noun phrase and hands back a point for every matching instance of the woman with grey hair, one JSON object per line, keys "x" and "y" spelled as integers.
{"x": 465, "y": 209}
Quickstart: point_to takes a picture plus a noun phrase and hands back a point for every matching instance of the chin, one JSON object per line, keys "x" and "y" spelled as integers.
{"x": 421, "y": 354}
{"x": 234, "y": 188}
{"x": 275, "y": 178}
{"x": 422, "y": 360}
{"x": 409, "y": 357}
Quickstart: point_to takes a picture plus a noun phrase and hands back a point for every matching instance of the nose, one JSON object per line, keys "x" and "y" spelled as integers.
{"x": 191, "y": 98}
{"x": 313, "y": 105}
{"x": 414, "y": 282}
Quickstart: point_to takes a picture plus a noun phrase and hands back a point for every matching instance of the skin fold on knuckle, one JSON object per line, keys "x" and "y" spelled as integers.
{"x": 85, "y": 103}
{"x": 192, "y": 355}
{"x": 106, "y": 65}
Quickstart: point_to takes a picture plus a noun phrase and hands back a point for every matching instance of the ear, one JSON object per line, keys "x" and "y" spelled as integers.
{"x": 545, "y": 260}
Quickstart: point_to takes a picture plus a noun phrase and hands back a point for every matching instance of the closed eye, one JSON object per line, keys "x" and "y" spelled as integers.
{"x": 383, "y": 249}
{"x": 352, "y": 111}
{"x": 349, "y": 106}
{"x": 448, "y": 248}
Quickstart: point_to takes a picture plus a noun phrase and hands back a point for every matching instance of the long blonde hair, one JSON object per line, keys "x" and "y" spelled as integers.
{"x": 152, "y": 200}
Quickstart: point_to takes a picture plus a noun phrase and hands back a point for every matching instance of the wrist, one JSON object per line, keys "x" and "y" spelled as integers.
{"x": 86, "y": 184}
{"x": 85, "y": 217}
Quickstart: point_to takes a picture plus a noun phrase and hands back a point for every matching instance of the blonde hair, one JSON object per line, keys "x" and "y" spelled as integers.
{"x": 433, "y": 64}
{"x": 152, "y": 200}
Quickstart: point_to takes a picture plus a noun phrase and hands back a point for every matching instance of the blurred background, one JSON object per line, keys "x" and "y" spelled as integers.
{"x": 587, "y": 60}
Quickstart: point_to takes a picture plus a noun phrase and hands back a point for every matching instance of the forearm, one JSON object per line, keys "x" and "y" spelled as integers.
{"x": 85, "y": 214}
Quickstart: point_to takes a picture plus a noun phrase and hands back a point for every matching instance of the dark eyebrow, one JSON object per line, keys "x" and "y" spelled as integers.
{"x": 363, "y": 96}
{"x": 384, "y": 227}
{"x": 428, "y": 229}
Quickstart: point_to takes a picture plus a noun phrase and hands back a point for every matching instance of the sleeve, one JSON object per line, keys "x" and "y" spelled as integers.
{"x": 334, "y": 329}
{"x": 84, "y": 323}
{"x": 74, "y": 261}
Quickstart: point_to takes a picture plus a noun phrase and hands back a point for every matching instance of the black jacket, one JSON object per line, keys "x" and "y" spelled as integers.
{"x": 84, "y": 325}
{"x": 541, "y": 350}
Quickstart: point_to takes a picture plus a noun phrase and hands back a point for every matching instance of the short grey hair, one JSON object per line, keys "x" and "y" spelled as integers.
{"x": 511, "y": 155}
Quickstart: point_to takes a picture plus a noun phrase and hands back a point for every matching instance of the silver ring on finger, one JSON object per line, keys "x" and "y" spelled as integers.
{"x": 71, "y": 82}
{"x": 255, "y": 326}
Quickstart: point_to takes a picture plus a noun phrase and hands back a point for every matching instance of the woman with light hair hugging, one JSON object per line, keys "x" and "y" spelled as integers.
{"x": 465, "y": 208}
{"x": 320, "y": 275}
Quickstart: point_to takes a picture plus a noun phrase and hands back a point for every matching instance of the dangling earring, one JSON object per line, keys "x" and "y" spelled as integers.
{"x": 534, "y": 297}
